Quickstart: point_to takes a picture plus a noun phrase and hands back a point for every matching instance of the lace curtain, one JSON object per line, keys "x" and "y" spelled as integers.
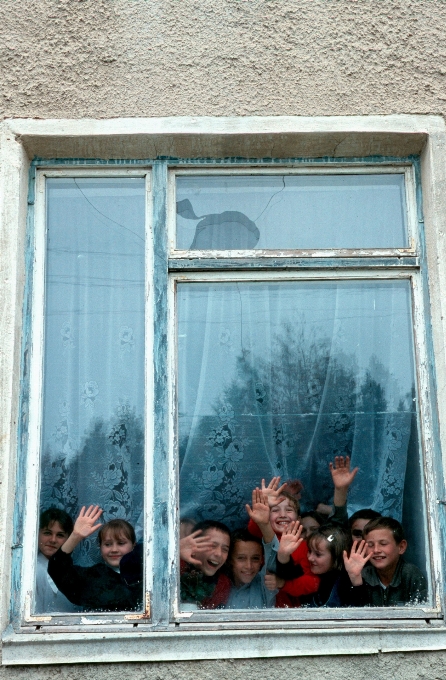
{"x": 93, "y": 409}
{"x": 277, "y": 378}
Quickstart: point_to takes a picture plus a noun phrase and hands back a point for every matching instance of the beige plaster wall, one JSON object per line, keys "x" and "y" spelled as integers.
{"x": 107, "y": 58}
{"x": 416, "y": 666}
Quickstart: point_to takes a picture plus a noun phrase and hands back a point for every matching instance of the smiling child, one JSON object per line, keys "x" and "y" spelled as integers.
{"x": 251, "y": 588}
{"x": 273, "y": 511}
{"x": 377, "y": 569}
{"x": 55, "y": 526}
{"x": 100, "y": 587}
{"x": 202, "y": 555}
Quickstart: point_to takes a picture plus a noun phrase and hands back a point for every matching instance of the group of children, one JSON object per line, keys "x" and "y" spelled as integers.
{"x": 279, "y": 560}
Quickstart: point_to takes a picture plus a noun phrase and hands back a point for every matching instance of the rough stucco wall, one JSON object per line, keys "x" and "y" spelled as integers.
{"x": 427, "y": 666}
{"x": 106, "y": 58}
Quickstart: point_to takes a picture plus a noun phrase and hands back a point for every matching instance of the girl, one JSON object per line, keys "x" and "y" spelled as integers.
{"x": 100, "y": 587}
{"x": 326, "y": 547}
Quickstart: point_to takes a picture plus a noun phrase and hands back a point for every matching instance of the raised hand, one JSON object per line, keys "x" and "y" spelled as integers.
{"x": 259, "y": 512}
{"x": 272, "y": 491}
{"x": 85, "y": 525}
{"x": 273, "y": 582}
{"x": 289, "y": 541}
{"x": 341, "y": 474}
{"x": 192, "y": 544}
{"x": 356, "y": 561}
{"x": 87, "y": 522}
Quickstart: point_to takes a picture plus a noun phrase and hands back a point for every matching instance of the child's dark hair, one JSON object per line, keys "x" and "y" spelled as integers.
{"x": 367, "y": 513}
{"x": 117, "y": 528}
{"x": 243, "y": 535}
{"x": 386, "y": 523}
{"x": 314, "y": 514}
{"x": 336, "y": 539}
{"x": 51, "y": 515}
{"x": 293, "y": 500}
{"x": 207, "y": 524}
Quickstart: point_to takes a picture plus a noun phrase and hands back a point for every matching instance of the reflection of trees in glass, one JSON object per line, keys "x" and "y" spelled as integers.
{"x": 107, "y": 470}
{"x": 290, "y": 415}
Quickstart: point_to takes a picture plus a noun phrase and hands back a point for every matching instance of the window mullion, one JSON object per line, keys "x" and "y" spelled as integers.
{"x": 161, "y": 593}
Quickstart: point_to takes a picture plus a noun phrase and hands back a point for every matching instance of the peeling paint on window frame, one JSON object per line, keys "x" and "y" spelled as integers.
{"x": 166, "y": 620}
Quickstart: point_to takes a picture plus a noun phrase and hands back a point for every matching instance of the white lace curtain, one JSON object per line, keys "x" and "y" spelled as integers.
{"x": 93, "y": 408}
{"x": 277, "y": 378}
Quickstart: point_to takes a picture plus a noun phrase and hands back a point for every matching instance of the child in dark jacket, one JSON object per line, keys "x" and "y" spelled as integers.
{"x": 100, "y": 587}
{"x": 326, "y": 546}
{"x": 377, "y": 570}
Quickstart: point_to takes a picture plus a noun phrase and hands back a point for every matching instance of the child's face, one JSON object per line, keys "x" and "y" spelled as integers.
{"x": 51, "y": 538}
{"x": 309, "y": 525}
{"x": 319, "y": 557}
{"x": 281, "y": 515}
{"x": 214, "y": 557}
{"x": 357, "y": 528}
{"x": 246, "y": 561}
{"x": 385, "y": 551}
{"x": 114, "y": 547}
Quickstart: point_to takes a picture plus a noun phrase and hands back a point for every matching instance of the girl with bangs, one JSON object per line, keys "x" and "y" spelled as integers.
{"x": 326, "y": 548}
{"x": 100, "y": 587}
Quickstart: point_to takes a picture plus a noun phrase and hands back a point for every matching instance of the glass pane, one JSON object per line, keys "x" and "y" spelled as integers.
{"x": 279, "y": 378}
{"x": 291, "y": 212}
{"x": 93, "y": 391}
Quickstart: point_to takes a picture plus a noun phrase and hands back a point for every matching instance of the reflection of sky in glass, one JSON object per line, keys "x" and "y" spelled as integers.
{"x": 301, "y": 211}
{"x": 365, "y": 326}
{"x": 94, "y": 332}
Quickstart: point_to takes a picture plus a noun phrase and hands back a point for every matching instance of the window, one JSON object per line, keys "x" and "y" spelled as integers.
{"x": 198, "y": 326}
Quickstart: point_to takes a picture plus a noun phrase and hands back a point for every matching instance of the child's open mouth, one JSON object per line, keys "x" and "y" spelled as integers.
{"x": 213, "y": 564}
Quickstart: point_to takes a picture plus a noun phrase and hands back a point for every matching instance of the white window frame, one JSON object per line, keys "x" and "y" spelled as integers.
{"x": 390, "y": 136}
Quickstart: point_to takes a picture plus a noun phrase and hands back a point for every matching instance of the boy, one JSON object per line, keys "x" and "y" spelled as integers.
{"x": 387, "y": 580}
{"x": 55, "y": 526}
{"x": 251, "y": 587}
{"x": 273, "y": 511}
{"x": 202, "y": 555}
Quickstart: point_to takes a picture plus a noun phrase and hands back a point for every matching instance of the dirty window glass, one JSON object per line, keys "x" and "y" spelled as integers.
{"x": 279, "y": 378}
{"x": 93, "y": 394}
{"x": 291, "y": 212}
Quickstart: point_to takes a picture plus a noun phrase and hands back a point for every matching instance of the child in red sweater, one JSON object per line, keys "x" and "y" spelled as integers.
{"x": 275, "y": 516}
{"x": 202, "y": 555}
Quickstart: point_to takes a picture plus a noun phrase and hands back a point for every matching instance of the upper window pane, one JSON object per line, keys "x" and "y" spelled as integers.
{"x": 293, "y": 212}
{"x": 93, "y": 389}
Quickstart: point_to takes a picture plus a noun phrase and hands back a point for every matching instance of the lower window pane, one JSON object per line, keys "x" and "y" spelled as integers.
{"x": 93, "y": 394}
{"x": 280, "y": 379}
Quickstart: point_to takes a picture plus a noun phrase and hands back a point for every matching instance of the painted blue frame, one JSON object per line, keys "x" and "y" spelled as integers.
{"x": 160, "y": 601}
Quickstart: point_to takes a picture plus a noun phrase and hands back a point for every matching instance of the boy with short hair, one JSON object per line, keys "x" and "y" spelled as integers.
{"x": 55, "y": 526}
{"x": 378, "y": 571}
{"x": 251, "y": 587}
{"x": 202, "y": 555}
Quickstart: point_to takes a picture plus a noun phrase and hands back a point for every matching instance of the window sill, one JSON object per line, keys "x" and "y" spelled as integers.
{"x": 57, "y": 648}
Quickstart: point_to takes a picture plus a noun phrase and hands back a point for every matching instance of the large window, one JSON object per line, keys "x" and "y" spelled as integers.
{"x": 197, "y": 330}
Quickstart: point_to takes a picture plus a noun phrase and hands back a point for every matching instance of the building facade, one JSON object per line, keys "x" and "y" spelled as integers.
{"x": 223, "y": 258}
